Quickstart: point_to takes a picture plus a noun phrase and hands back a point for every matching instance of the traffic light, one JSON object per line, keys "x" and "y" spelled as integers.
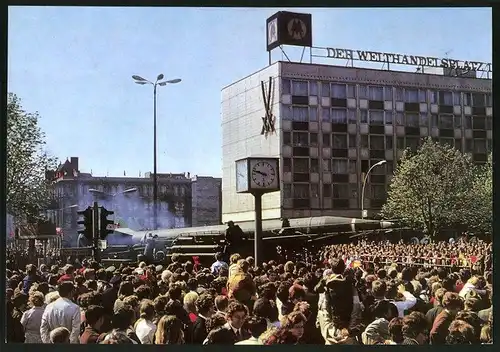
{"x": 87, "y": 230}
{"x": 104, "y": 222}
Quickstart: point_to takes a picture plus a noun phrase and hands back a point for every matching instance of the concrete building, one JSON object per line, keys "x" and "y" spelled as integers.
{"x": 206, "y": 200}
{"x": 333, "y": 123}
{"x": 132, "y": 209}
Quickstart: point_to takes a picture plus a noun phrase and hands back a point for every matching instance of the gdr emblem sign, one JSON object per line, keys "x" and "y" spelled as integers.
{"x": 288, "y": 28}
{"x": 297, "y": 29}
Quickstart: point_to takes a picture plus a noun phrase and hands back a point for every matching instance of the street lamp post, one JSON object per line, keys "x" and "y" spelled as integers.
{"x": 142, "y": 81}
{"x": 382, "y": 162}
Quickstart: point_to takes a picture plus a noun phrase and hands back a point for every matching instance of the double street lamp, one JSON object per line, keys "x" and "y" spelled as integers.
{"x": 159, "y": 82}
{"x": 382, "y": 162}
{"x": 93, "y": 190}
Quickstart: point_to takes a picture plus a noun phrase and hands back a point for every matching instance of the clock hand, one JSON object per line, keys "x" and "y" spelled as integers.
{"x": 260, "y": 172}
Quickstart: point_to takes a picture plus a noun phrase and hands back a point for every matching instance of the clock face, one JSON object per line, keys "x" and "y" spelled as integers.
{"x": 263, "y": 174}
{"x": 241, "y": 176}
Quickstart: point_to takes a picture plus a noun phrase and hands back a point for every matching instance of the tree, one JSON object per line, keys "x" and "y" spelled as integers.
{"x": 479, "y": 212}
{"x": 431, "y": 188}
{"x": 27, "y": 188}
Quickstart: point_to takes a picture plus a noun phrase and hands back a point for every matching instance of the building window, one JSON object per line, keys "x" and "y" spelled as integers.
{"x": 300, "y": 88}
{"x": 363, "y": 141}
{"x": 434, "y": 120}
{"x": 339, "y": 141}
{"x": 412, "y": 120}
{"x": 489, "y": 125}
{"x": 351, "y": 116}
{"x": 400, "y": 94}
{"x": 424, "y": 119}
{"x": 479, "y": 146}
{"x": 339, "y": 166}
{"x": 338, "y": 91}
{"x": 287, "y": 190}
{"x": 314, "y": 191}
{"x": 445, "y": 98}
{"x": 301, "y": 165}
{"x": 352, "y": 166}
{"x": 301, "y": 191}
{"x": 363, "y": 116}
{"x": 478, "y": 123}
{"x": 313, "y": 114}
{"x": 411, "y": 95}
{"x": 325, "y": 114}
{"x": 400, "y": 119}
{"x": 325, "y": 89}
{"x": 400, "y": 143}
{"x": 313, "y": 139}
{"x": 287, "y": 138}
{"x": 458, "y": 121}
{"x": 445, "y": 121}
{"x": 313, "y": 88}
{"x": 478, "y": 100}
{"x": 422, "y": 95}
{"x": 412, "y": 143}
{"x": 339, "y": 116}
{"x": 352, "y": 141}
{"x": 377, "y": 143}
{"x": 468, "y": 146}
{"x": 326, "y": 140}
{"x": 327, "y": 190}
{"x": 285, "y": 86}
{"x": 340, "y": 191}
{"x": 287, "y": 164}
{"x": 467, "y": 99}
{"x": 363, "y": 92}
{"x": 458, "y": 144}
{"x": 376, "y": 93}
{"x": 388, "y": 142}
{"x": 314, "y": 165}
{"x": 388, "y": 117}
{"x": 301, "y": 139}
{"x": 457, "y": 98}
{"x": 378, "y": 192}
{"x": 286, "y": 112}
{"x": 351, "y": 91}
{"x": 377, "y": 170}
{"x": 326, "y": 165}
{"x": 468, "y": 122}
{"x": 388, "y": 93}
{"x": 433, "y": 96}
{"x": 489, "y": 100}
{"x": 300, "y": 113}
{"x": 376, "y": 117}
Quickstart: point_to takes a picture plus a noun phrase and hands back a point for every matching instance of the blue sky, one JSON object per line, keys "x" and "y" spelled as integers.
{"x": 74, "y": 64}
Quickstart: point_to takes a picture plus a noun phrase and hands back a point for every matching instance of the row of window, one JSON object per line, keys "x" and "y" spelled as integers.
{"x": 335, "y": 166}
{"x": 335, "y": 191}
{"x": 380, "y": 93}
{"x": 378, "y": 117}
{"x": 374, "y": 142}
{"x": 146, "y": 190}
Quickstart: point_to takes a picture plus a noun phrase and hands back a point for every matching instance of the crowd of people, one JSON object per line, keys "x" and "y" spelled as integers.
{"x": 364, "y": 293}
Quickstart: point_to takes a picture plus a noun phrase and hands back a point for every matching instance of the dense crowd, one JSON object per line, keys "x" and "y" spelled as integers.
{"x": 364, "y": 293}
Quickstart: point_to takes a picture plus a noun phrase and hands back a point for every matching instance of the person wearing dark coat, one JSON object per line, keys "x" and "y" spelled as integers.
{"x": 205, "y": 308}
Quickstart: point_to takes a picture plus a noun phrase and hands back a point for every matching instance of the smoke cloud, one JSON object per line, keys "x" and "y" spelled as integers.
{"x": 132, "y": 211}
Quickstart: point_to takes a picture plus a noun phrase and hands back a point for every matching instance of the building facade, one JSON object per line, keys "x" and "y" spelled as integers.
{"x": 131, "y": 198}
{"x": 206, "y": 201}
{"x": 333, "y": 123}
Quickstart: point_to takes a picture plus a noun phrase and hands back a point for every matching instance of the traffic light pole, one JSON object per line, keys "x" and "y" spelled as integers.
{"x": 95, "y": 232}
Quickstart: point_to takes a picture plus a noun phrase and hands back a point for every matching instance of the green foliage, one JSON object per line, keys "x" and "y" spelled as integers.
{"x": 27, "y": 189}
{"x": 479, "y": 213}
{"x": 431, "y": 189}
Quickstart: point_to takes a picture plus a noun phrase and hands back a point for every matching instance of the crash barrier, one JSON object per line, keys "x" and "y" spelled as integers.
{"x": 427, "y": 261}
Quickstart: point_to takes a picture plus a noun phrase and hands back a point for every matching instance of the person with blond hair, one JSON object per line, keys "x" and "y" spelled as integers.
{"x": 145, "y": 329}
{"x": 32, "y": 318}
{"x": 169, "y": 331}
